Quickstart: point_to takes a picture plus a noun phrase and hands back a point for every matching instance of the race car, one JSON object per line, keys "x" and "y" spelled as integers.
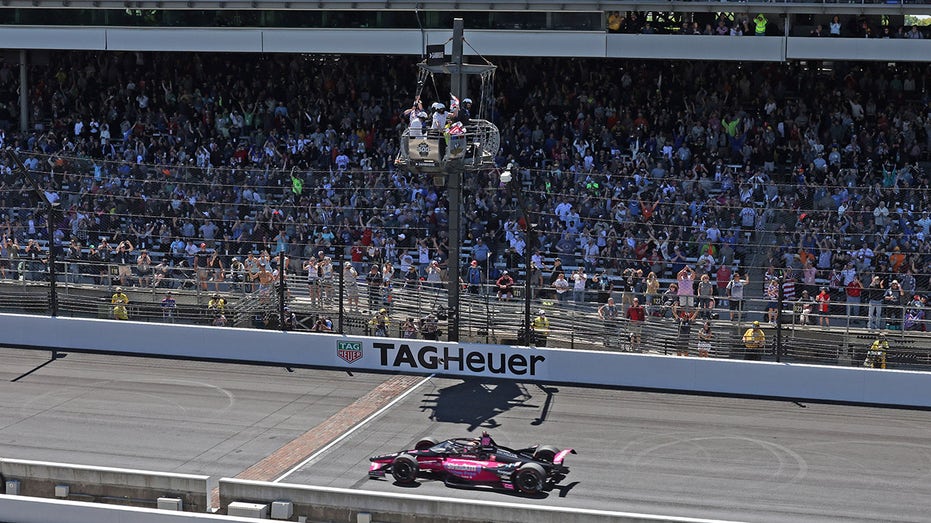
{"x": 478, "y": 462}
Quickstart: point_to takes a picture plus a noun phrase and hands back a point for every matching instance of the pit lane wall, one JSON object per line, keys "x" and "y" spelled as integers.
{"x": 336, "y": 504}
{"x": 765, "y": 379}
{"x": 22, "y": 509}
{"x": 41, "y": 479}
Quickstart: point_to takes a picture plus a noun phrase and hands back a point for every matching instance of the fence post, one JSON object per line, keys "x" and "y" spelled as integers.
{"x": 281, "y": 290}
{"x": 779, "y": 302}
{"x": 342, "y": 289}
{"x": 52, "y": 270}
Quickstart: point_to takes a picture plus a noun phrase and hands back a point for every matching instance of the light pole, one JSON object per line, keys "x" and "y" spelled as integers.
{"x": 448, "y": 153}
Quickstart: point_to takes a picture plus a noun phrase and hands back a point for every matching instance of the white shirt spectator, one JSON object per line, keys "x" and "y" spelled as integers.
{"x": 342, "y": 162}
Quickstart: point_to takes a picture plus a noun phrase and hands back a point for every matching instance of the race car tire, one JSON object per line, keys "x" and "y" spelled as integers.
{"x": 404, "y": 469}
{"x": 545, "y": 453}
{"x": 425, "y": 444}
{"x": 530, "y": 478}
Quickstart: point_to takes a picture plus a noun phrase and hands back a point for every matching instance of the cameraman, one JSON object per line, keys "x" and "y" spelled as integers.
{"x": 323, "y": 324}
{"x": 430, "y": 327}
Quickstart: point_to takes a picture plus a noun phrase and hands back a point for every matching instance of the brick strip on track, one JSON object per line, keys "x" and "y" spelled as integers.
{"x": 300, "y": 448}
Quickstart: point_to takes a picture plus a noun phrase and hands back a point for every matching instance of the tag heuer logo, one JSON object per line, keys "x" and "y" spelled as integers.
{"x": 350, "y": 351}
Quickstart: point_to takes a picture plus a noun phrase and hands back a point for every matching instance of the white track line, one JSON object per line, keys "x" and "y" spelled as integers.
{"x": 356, "y": 427}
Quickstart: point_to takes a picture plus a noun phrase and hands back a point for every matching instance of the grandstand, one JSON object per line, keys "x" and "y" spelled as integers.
{"x": 769, "y": 155}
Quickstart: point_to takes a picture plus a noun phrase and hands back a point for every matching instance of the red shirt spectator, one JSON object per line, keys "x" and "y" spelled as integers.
{"x": 854, "y": 288}
{"x": 636, "y": 312}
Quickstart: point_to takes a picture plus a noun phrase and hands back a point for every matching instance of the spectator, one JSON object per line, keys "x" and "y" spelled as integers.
{"x": 834, "y": 28}
{"x": 686, "y": 285}
{"x": 429, "y": 327}
{"x": 474, "y": 277}
{"x": 824, "y": 307}
{"x": 322, "y": 324}
{"x": 615, "y": 21}
{"x": 561, "y": 285}
{"x": 875, "y": 294}
{"x": 705, "y": 336}
{"x": 684, "y": 318}
{"x": 735, "y": 294}
{"x": 579, "y": 280}
{"x": 216, "y": 304}
{"x": 237, "y": 274}
{"x": 893, "y": 301}
{"x": 412, "y": 278}
{"x": 373, "y": 281}
{"x": 169, "y": 306}
{"x": 853, "y": 291}
{"x": 409, "y": 329}
{"x": 636, "y": 315}
{"x": 805, "y": 308}
{"x": 123, "y": 261}
{"x": 351, "y": 285}
{"x": 504, "y": 285}
{"x": 216, "y": 271}
{"x": 705, "y": 296}
{"x": 380, "y": 323}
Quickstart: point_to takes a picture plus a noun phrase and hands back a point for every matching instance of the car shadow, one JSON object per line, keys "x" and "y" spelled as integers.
{"x": 476, "y": 403}
{"x": 510, "y": 493}
{"x": 564, "y": 489}
{"x": 413, "y": 485}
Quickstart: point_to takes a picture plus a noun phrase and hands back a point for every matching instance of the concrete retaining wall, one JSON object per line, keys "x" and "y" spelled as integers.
{"x": 765, "y": 379}
{"x": 105, "y": 485}
{"x": 334, "y": 504}
{"x": 19, "y": 509}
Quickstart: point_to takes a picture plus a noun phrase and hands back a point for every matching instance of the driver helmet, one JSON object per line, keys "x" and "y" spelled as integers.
{"x": 467, "y": 100}
{"x": 486, "y": 439}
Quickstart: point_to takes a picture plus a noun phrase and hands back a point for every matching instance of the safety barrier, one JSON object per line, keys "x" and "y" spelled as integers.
{"x": 103, "y": 484}
{"x": 23, "y": 509}
{"x": 336, "y": 504}
{"x": 395, "y": 355}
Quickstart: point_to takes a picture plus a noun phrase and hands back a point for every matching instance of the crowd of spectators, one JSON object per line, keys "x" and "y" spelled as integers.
{"x": 722, "y": 24}
{"x": 624, "y": 165}
{"x": 761, "y": 24}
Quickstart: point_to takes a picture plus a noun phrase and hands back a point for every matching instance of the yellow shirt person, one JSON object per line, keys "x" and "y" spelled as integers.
{"x": 541, "y": 328}
{"x": 119, "y": 302}
{"x": 754, "y": 340}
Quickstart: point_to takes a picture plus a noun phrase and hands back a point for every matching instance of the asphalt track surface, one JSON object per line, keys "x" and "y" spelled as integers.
{"x": 691, "y": 456}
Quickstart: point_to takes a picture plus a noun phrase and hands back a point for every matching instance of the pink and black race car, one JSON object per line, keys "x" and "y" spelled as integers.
{"x": 475, "y": 462}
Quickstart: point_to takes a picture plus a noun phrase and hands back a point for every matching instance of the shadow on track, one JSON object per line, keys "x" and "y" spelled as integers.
{"x": 55, "y": 356}
{"x": 546, "y": 404}
{"x": 476, "y": 403}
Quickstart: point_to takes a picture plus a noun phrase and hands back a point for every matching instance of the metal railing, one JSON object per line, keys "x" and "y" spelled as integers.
{"x": 485, "y": 317}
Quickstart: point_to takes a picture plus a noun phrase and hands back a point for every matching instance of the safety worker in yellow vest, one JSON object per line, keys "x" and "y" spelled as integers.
{"x": 876, "y": 356}
{"x": 541, "y": 328}
{"x": 119, "y": 302}
{"x": 760, "y": 25}
{"x": 754, "y": 340}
